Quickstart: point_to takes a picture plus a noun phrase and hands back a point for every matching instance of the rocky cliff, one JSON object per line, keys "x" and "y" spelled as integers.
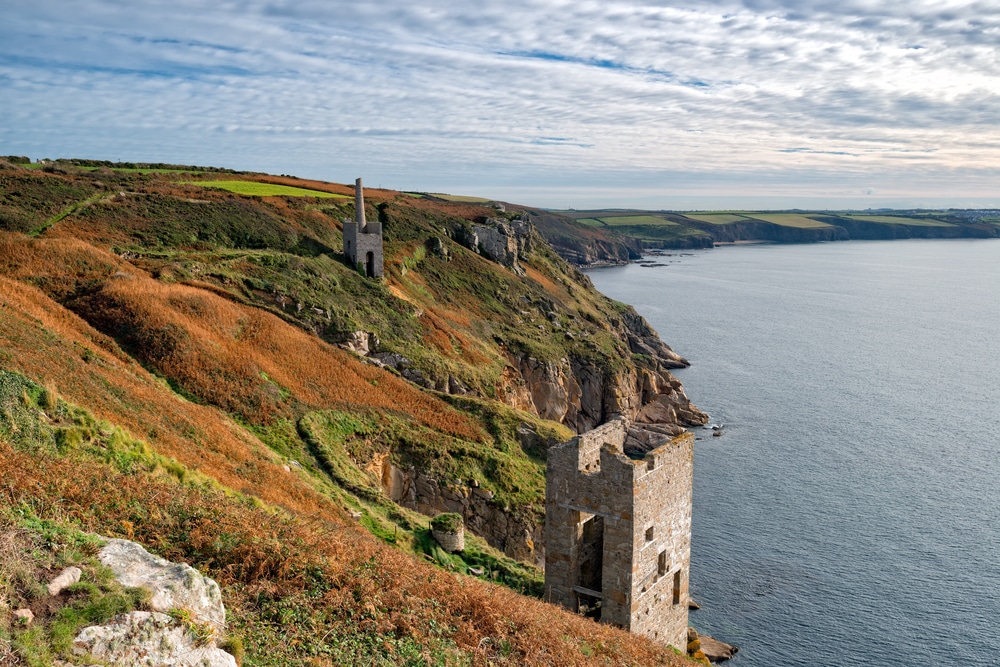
{"x": 760, "y": 230}
{"x": 859, "y": 229}
{"x": 479, "y": 336}
{"x": 576, "y": 387}
{"x": 169, "y": 374}
{"x": 581, "y": 394}
{"x": 584, "y": 246}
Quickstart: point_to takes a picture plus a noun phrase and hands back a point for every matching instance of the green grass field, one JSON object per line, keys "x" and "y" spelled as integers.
{"x": 635, "y": 220}
{"x": 899, "y": 220}
{"x": 591, "y": 222}
{"x": 462, "y": 199}
{"x": 788, "y": 220}
{"x": 264, "y": 189}
{"x": 715, "y": 218}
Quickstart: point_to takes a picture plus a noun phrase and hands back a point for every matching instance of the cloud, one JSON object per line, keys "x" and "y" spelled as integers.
{"x": 451, "y": 94}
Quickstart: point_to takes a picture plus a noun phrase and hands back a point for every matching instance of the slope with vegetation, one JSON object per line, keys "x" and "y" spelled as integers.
{"x": 660, "y": 229}
{"x": 169, "y": 373}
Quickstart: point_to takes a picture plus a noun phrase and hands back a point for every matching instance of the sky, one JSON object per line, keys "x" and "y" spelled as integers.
{"x": 760, "y": 104}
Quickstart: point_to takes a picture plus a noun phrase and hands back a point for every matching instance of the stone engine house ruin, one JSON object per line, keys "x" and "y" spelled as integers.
{"x": 363, "y": 240}
{"x": 618, "y": 532}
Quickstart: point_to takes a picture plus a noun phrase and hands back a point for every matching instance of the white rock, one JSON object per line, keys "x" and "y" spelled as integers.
{"x": 148, "y": 639}
{"x": 66, "y": 578}
{"x": 24, "y": 616}
{"x": 174, "y": 585}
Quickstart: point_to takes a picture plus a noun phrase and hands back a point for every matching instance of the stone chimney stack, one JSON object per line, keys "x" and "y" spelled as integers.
{"x": 363, "y": 241}
{"x": 359, "y": 206}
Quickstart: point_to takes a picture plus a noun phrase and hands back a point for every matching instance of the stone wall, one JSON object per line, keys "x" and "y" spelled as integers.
{"x": 449, "y": 541}
{"x": 363, "y": 239}
{"x": 644, "y": 508}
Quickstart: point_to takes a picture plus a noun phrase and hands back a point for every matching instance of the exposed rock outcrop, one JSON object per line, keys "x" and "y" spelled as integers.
{"x": 581, "y": 395}
{"x": 703, "y": 647}
{"x": 402, "y": 365}
{"x": 585, "y": 246}
{"x": 516, "y": 532}
{"x": 149, "y": 639}
{"x": 361, "y": 343}
{"x": 715, "y": 650}
{"x": 186, "y": 636}
{"x": 501, "y": 240}
{"x": 174, "y": 585}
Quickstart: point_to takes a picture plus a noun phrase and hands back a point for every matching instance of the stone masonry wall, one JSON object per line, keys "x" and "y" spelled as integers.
{"x": 362, "y": 238}
{"x": 645, "y": 508}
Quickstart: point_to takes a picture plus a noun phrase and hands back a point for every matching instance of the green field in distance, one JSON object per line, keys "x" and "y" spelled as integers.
{"x": 264, "y": 189}
{"x": 788, "y": 220}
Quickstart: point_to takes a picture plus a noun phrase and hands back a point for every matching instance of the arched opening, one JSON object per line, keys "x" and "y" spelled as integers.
{"x": 370, "y": 265}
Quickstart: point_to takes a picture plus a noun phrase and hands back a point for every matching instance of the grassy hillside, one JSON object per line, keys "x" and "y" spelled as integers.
{"x": 651, "y": 229}
{"x": 659, "y": 229}
{"x": 168, "y": 374}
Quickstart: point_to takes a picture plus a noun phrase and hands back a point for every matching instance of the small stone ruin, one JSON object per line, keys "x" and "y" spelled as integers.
{"x": 449, "y": 531}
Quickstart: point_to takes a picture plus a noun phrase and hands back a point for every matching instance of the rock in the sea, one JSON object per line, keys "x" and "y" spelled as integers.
{"x": 174, "y": 585}
{"x": 149, "y": 639}
{"x": 715, "y": 650}
{"x": 644, "y": 438}
{"x": 66, "y": 578}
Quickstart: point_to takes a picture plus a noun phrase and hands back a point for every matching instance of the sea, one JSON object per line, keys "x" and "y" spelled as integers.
{"x": 850, "y": 512}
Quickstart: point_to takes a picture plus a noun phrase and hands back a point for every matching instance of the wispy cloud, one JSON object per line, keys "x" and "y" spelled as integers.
{"x": 764, "y": 96}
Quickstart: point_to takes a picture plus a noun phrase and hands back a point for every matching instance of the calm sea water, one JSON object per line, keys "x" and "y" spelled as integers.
{"x": 850, "y": 515}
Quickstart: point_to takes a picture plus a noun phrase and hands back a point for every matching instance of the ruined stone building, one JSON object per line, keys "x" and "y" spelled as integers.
{"x": 618, "y": 532}
{"x": 363, "y": 240}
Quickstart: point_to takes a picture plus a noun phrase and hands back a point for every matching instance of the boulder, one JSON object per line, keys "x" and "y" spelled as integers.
{"x": 66, "y": 578}
{"x": 437, "y": 248}
{"x": 361, "y": 343}
{"x": 149, "y": 639}
{"x": 642, "y": 438}
{"x": 715, "y": 650}
{"x": 174, "y": 585}
{"x": 185, "y": 638}
{"x": 456, "y": 386}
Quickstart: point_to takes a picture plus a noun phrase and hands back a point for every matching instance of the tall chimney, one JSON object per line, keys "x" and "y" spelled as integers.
{"x": 359, "y": 207}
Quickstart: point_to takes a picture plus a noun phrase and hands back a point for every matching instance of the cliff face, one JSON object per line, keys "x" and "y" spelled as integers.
{"x": 583, "y": 246}
{"x": 688, "y": 231}
{"x": 479, "y": 336}
{"x": 759, "y": 230}
{"x": 575, "y": 388}
{"x": 873, "y": 231}
{"x": 576, "y": 392}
